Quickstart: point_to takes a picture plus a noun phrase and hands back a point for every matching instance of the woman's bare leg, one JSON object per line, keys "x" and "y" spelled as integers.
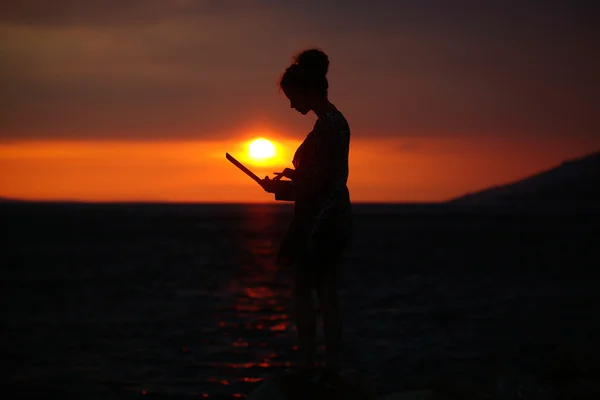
{"x": 305, "y": 317}
{"x": 327, "y": 292}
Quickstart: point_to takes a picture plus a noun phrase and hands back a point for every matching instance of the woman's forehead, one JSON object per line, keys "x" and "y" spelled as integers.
{"x": 291, "y": 92}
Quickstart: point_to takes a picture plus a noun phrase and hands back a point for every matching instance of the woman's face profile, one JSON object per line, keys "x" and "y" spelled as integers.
{"x": 298, "y": 101}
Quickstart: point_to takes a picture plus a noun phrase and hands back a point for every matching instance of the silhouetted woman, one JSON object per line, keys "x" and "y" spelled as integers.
{"x": 320, "y": 229}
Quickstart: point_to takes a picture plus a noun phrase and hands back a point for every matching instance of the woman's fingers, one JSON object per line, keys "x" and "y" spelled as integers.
{"x": 266, "y": 184}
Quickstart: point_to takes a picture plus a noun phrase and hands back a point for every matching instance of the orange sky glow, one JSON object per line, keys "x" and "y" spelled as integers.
{"x": 139, "y": 100}
{"x": 381, "y": 170}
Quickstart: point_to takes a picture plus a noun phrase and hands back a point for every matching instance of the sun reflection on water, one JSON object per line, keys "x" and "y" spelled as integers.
{"x": 255, "y": 336}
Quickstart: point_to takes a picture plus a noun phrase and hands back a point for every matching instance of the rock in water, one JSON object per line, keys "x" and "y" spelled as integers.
{"x": 353, "y": 386}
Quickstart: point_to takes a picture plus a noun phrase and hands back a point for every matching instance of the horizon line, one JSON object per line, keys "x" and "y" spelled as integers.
{"x": 157, "y": 202}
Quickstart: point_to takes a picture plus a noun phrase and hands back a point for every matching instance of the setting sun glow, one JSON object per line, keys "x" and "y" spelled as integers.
{"x": 260, "y": 149}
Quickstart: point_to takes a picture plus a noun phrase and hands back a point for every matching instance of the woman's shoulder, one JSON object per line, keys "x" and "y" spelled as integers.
{"x": 334, "y": 116}
{"x": 333, "y": 120}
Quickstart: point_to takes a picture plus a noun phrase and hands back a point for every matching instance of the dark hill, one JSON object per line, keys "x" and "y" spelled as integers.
{"x": 573, "y": 183}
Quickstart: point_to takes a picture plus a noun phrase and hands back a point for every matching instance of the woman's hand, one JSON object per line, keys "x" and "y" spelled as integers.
{"x": 270, "y": 185}
{"x": 286, "y": 173}
{"x": 273, "y": 185}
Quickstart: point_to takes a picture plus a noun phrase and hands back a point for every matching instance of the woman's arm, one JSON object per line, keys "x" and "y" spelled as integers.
{"x": 283, "y": 190}
{"x": 286, "y": 191}
{"x": 286, "y": 173}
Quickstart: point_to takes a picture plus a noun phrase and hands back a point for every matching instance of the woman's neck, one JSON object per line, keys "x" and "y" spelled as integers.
{"x": 323, "y": 107}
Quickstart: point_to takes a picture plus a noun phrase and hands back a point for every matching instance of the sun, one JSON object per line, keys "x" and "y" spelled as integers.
{"x": 261, "y": 149}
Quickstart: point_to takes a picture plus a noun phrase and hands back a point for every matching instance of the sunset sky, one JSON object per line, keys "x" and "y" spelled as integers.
{"x": 138, "y": 100}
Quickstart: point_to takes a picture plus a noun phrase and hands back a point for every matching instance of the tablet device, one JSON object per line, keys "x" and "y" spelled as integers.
{"x": 243, "y": 168}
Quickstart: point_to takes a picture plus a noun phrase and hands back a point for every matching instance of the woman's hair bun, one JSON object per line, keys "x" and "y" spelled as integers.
{"x": 308, "y": 72}
{"x": 314, "y": 61}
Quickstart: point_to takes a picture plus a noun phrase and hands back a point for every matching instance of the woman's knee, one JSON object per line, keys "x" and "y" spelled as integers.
{"x": 327, "y": 290}
{"x": 327, "y": 280}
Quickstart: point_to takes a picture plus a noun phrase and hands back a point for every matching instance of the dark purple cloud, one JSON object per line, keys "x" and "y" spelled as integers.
{"x": 153, "y": 69}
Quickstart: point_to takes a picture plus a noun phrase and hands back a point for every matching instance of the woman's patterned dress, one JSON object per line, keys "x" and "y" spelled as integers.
{"x": 322, "y": 222}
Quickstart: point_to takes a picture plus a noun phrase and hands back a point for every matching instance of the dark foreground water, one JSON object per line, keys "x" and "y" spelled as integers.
{"x": 178, "y": 301}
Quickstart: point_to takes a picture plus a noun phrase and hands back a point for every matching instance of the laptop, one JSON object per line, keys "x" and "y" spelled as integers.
{"x": 243, "y": 168}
